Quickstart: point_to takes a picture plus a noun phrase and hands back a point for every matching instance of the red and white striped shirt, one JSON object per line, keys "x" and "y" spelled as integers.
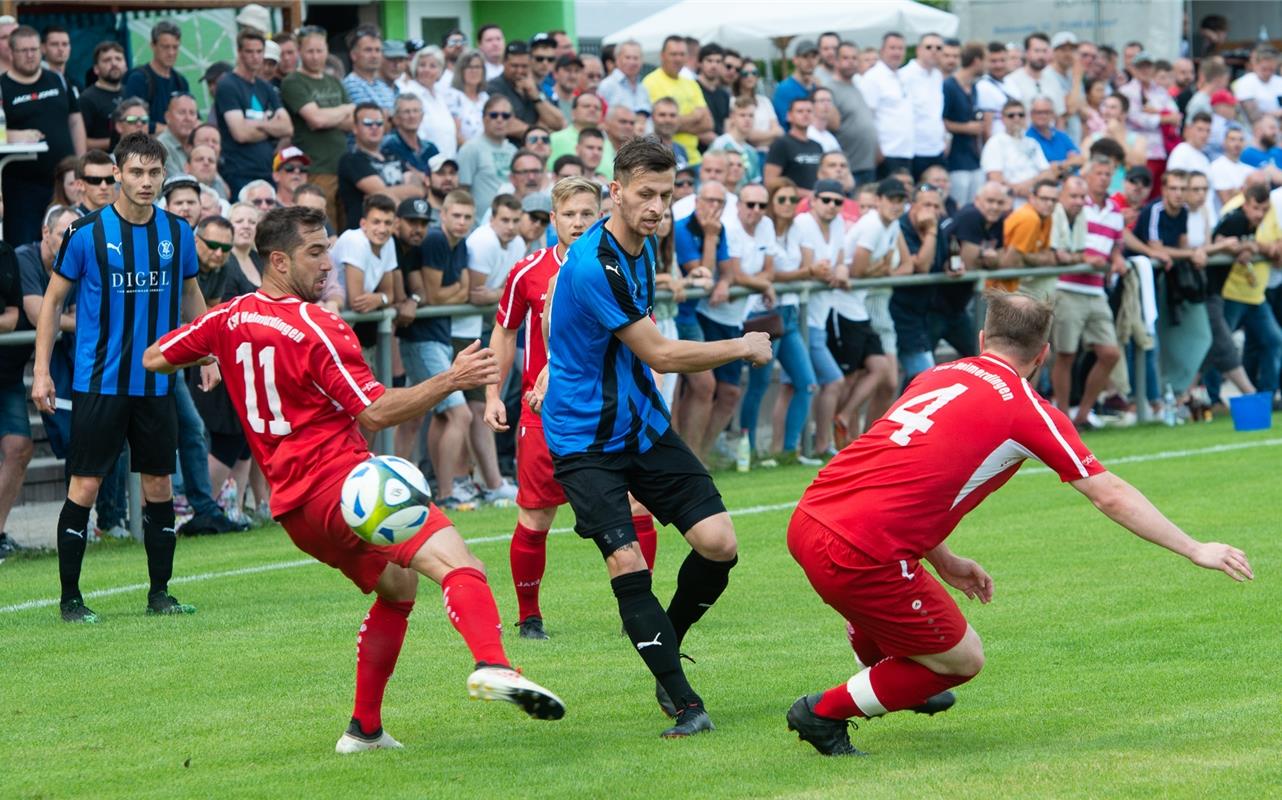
{"x": 959, "y": 432}
{"x": 524, "y": 298}
{"x": 1104, "y": 226}
{"x": 295, "y": 374}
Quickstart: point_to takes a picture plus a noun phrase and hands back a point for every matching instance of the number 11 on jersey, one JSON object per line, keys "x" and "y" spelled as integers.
{"x": 920, "y": 421}
{"x": 278, "y": 425}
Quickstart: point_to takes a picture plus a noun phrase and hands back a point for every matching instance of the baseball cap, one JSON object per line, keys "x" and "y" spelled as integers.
{"x": 1143, "y": 57}
{"x": 439, "y": 160}
{"x": 537, "y": 203}
{"x": 540, "y": 39}
{"x": 255, "y": 16}
{"x": 1140, "y": 175}
{"x": 289, "y": 154}
{"x": 805, "y": 47}
{"x": 1223, "y": 97}
{"x": 516, "y": 47}
{"x": 177, "y": 182}
{"x": 569, "y": 59}
{"x": 394, "y": 48}
{"x": 412, "y": 46}
{"x": 414, "y": 208}
{"x": 827, "y": 186}
{"x": 271, "y": 51}
{"x": 1063, "y": 38}
{"x": 892, "y": 189}
{"x": 215, "y": 71}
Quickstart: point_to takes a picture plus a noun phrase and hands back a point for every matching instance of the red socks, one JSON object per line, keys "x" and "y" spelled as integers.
{"x": 469, "y": 604}
{"x": 866, "y": 650}
{"x": 647, "y": 538}
{"x": 893, "y": 684}
{"x": 528, "y": 556}
{"x": 377, "y": 646}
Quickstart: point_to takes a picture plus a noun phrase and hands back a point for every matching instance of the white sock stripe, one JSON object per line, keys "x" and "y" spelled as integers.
{"x": 860, "y": 688}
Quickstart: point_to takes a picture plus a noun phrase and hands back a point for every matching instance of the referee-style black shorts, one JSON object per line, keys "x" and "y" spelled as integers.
{"x": 667, "y": 478}
{"x": 851, "y": 342}
{"x": 102, "y": 423}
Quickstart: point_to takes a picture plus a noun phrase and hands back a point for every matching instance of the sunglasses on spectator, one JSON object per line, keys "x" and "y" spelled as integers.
{"x": 829, "y": 200}
{"x": 293, "y": 168}
{"x": 222, "y": 247}
{"x": 788, "y": 199}
{"x": 927, "y": 187}
{"x": 264, "y": 201}
{"x": 527, "y": 172}
{"x": 456, "y": 41}
{"x": 755, "y": 205}
{"x": 1014, "y": 115}
{"x": 539, "y": 139}
{"x": 931, "y": 47}
{"x": 99, "y": 180}
{"x": 499, "y": 114}
{"x": 545, "y": 59}
{"x": 136, "y": 119}
{"x": 749, "y": 72}
{"x": 683, "y": 182}
{"x": 371, "y": 123}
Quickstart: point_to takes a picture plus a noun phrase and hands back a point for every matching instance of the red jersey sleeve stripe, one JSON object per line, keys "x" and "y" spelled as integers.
{"x": 194, "y": 326}
{"x": 509, "y": 295}
{"x": 333, "y": 352}
{"x": 1041, "y": 412}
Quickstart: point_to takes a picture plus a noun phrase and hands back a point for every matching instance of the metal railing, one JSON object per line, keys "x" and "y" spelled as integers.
{"x": 386, "y": 330}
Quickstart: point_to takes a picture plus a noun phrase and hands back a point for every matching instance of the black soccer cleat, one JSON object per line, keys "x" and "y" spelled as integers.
{"x": 531, "y": 628}
{"x": 831, "y": 737}
{"x": 77, "y": 611}
{"x": 165, "y": 604}
{"x": 665, "y": 702}
{"x": 936, "y": 703}
{"x": 691, "y": 720}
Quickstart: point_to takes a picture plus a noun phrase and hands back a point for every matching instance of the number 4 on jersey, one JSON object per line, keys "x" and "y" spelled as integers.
{"x": 920, "y": 421}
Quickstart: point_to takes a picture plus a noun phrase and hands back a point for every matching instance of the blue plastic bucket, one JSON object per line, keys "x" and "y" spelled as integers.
{"x": 1252, "y": 412}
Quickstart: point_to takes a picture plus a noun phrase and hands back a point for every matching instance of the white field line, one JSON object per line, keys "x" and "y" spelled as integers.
{"x": 1164, "y": 455}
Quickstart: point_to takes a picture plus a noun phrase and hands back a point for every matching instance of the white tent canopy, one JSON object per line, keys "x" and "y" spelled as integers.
{"x": 749, "y": 26}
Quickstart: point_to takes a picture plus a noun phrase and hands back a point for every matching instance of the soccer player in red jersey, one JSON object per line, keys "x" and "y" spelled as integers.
{"x": 576, "y": 204}
{"x": 295, "y": 374}
{"x": 958, "y": 433}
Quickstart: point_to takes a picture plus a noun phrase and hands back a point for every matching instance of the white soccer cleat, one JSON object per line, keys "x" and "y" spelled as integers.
{"x": 510, "y": 686}
{"x": 353, "y": 743}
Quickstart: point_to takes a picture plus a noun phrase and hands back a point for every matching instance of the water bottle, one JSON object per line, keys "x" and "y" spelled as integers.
{"x": 743, "y": 453}
{"x": 1168, "y": 407}
{"x": 1263, "y": 35}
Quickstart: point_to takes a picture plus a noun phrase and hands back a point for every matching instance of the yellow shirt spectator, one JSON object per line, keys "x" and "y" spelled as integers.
{"x": 1246, "y": 283}
{"x": 688, "y": 96}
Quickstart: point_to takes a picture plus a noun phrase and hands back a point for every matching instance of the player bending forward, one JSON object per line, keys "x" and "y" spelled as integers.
{"x": 295, "y": 374}
{"x": 959, "y": 432}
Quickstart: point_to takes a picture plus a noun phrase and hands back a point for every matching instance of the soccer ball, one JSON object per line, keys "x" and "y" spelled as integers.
{"x": 385, "y": 500}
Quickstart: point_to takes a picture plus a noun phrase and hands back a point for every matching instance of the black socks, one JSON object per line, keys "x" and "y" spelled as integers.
{"x": 651, "y": 633}
{"x": 73, "y": 530}
{"x": 699, "y": 583}
{"x": 159, "y": 538}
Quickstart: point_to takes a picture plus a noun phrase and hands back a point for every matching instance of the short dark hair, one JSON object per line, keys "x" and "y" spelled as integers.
{"x": 591, "y": 133}
{"x": 360, "y": 32}
{"x": 1215, "y": 22}
{"x": 525, "y": 153}
{"x": 1135, "y": 43}
{"x": 377, "y": 202}
{"x": 505, "y": 200}
{"x": 191, "y": 137}
{"x": 140, "y": 144}
{"x": 575, "y": 102}
{"x": 54, "y": 29}
{"x": 561, "y": 161}
{"x": 681, "y": 40}
{"x": 1175, "y": 173}
{"x": 481, "y": 31}
{"x": 1256, "y": 192}
{"x": 96, "y": 157}
{"x": 494, "y": 100}
{"x": 213, "y": 221}
{"x": 1162, "y": 65}
{"x": 1201, "y": 116}
{"x": 105, "y": 47}
{"x": 1017, "y": 323}
{"x": 972, "y": 52}
{"x": 368, "y": 106}
{"x": 249, "y": 34}
{"x": 711, "y": 49}
{"x": 796, "y": 100}
{"x": 1036, "y": 36}
{"x": 281, "y": 229}
{"x": 891, "y": 35}
{"x": 310, "y": 188}
{"x": 165, "y": 28}
{"x": 642, "y": 154}
{"x": 23, "y": 32}
{"x": 996, "y": 47}
{"x": 1042, "y": 184}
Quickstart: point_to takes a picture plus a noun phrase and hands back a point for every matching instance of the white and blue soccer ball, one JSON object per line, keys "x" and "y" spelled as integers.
{"x": 385, "y": 500}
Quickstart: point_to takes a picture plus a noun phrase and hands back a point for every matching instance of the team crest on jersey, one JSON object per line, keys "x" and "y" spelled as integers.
{"x": 166, "y": 249}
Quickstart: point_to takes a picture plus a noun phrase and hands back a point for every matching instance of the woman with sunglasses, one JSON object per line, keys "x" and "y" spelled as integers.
{"x": 466, "y": 95}
{"x": 439, "y": 126}
{"x": 765, "y": 125}
{"x": 792, "y": 262}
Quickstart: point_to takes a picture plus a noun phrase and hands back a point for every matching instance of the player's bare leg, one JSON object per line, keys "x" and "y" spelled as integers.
{"x": 822, "y": 410}
{"x": 527, "y": 555}
{"x": 696, "y": 408}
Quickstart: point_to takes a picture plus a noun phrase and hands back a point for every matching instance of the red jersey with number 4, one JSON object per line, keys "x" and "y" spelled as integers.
{"x": 295, "y": 374}
{"x": 958, "y": 433}
{"x": 524, "y": 298}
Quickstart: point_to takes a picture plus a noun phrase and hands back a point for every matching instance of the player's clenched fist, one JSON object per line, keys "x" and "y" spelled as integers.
{"x": 759, "y": 351}
{"x": 475, "y": 366}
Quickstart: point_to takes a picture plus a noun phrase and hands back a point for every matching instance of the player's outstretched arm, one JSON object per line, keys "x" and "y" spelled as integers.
{"x": 153, "y": 358}
{"x": 1128, "y": 507}
{"x": 963, "y": 574}
{"x": 671, "y": 355}
{"x": 474, "y": 366}
{"x": 42, "y": 388}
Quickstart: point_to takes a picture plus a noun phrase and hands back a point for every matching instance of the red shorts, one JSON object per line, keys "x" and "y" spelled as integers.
{"x": 901, "y": 606}
{"x": 318, "y": 529}
{"x": 536, "y": 488}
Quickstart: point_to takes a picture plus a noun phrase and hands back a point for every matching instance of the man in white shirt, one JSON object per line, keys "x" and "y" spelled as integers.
{"x": 1188, "y": 154}
{"x": 818, "y": 130}
{"x": 1260, "y": 89}
{"x": 364, "y": 261}
{"x": 925, "y": 85}
{"x": 990, "y": 93}
{"x": 622, "y": 88}
{"x": 491, "y": 251}
{"x": 888, "y": 99}
{"x": 1010, "y": 157}
{"x": 491, "y": 42}
{"x": 1228, "y": 173}
{"x": 1032, "y": 80}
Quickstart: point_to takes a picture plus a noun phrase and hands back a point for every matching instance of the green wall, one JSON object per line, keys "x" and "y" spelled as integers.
{"x": 521, "y": 19}
{"x": 392, "y": 16}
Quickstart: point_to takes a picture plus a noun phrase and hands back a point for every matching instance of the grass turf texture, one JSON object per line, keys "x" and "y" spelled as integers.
{"x": 1114, "y": 669}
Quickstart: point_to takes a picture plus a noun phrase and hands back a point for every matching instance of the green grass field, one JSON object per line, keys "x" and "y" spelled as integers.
{"x": 1115, "y": 669}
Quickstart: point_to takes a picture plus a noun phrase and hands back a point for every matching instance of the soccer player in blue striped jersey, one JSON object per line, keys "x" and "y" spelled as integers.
{"x": 608, "y": 431}
{"x": 133, "y": 268}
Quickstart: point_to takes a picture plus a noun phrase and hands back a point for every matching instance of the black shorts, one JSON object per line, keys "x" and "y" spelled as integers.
{"x": 229, "y": 448}
{"x": 102, "y": 423}
{"x": 667, "y": 479}
{"x": 852, "y": 343}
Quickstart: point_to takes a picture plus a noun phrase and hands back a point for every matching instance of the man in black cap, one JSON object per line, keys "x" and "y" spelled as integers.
{"x": 566, "y": 73}
{"x": 542, "y": 57}
{"x": 212, "y": 73}
{"x": 805, "y": 57}
{"x": 529, "y": 105}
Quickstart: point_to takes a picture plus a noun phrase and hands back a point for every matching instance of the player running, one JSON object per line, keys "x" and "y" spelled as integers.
{"x": 295, "y": 374}
{"x": 608, "y": 430}
{"x": 576, "y": 204}
{"x": 959, "y": 432}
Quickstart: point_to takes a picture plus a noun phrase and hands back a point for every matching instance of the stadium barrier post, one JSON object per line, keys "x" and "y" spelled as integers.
{"x": 386, "y": 445}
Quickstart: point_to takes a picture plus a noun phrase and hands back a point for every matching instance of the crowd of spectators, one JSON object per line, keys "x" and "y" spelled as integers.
{"x": 435, "y": 163}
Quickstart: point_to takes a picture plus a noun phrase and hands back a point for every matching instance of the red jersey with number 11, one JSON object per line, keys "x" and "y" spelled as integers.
{"x": 295, "y": 373}
{"x": 524, "y": 298}
{"x": 958, "y": 433}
